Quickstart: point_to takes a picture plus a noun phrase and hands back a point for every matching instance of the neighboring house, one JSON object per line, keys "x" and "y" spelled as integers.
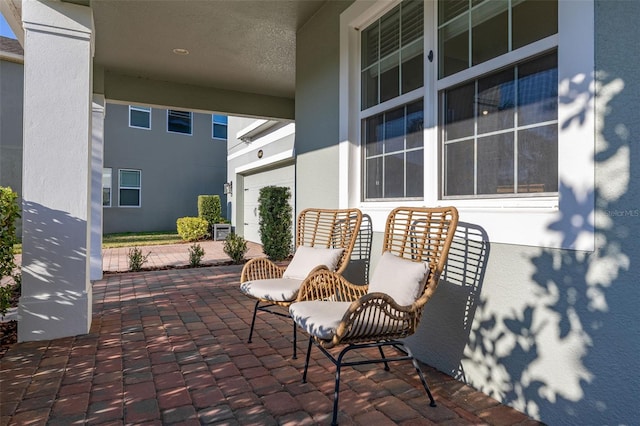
{"x": 11, "y": 88}
{"x": 260, "y": 153}
{"x": 140, "y": 193}
{"x": 143, "y": 192}
{"x": 523, "y": 114}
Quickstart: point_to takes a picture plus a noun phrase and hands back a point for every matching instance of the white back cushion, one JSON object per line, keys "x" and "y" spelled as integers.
{"x": 307, "y": 258}
{"x": 399, "y": 278}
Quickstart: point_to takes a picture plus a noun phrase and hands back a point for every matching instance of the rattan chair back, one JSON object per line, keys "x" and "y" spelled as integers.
{"x": 326, "y": 228}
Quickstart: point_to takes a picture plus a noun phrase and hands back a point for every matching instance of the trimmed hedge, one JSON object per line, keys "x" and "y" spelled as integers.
{"x": 192, "y": 228}
{"x": 210, "y": 208}
{"x": 9, "y": 213}
{"x": 275, "y": 221}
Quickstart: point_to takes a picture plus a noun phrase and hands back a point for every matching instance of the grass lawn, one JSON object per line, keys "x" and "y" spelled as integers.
{"x": 131, "y": 239}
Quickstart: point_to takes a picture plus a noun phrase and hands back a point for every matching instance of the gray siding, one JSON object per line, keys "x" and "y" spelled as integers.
{"x": 175, "y": 169}
{"x": 550, "y": 332}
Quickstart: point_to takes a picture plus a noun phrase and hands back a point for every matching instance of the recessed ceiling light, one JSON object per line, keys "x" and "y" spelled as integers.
{"x": 179, "y": 51}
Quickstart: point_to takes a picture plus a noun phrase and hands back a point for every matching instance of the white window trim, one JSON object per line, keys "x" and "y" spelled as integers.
{"x": 522, "y": 220}
{"x": 139, "y": 188}
{"x": 143, "y": 109}
{"x": 180, "y": 133}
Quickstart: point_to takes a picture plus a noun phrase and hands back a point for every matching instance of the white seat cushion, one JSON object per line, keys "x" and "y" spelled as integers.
{"x": 276, "y": 289}
{"x": 319, "y": 318}
{"x": 402, "y": 279}
{"x": 307, "y": 258}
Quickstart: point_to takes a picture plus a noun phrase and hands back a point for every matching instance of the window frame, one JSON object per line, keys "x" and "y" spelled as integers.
{"x": 190, "y": 122}
{"x": 533, "y": 216}
{"x": 110, "y": 187}
{"x": 139, "y": 188}
{"x": 214, "y": 124}
{"x": 140, "y": 109}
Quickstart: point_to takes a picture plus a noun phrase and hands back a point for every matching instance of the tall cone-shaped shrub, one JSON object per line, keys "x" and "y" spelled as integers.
{"x": 275, "y": 221}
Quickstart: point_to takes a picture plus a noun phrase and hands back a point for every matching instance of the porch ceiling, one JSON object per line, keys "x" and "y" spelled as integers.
{"x": 246, "y": 46}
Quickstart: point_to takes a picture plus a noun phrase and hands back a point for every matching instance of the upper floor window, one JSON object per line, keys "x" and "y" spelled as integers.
{"x": 130, "y": 186}
{"x": 139, "y": 117}
{"x": 392, "y": 111}
{"x": 219, "y": 126}
{"x": 106, "y": 187}
{"x": 179, "y": 121}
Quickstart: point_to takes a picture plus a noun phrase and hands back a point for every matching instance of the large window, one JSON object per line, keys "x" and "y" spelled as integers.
{"x": 179, "y": 121}
{"x": 139, "y": 117}
{"x": 219, "y": 127}
{"x": 499, "y": 130}
{"x": 106, "y": 187}
{"x": 391, "y": 76}
{"x": 129, "y": 187}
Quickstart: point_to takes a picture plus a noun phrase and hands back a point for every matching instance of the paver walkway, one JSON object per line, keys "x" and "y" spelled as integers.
{"x": 169, "y": 347}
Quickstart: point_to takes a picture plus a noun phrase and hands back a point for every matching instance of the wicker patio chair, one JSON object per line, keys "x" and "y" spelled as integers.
{"x": 335, "y": 312}
{"x": 324, "y": 240}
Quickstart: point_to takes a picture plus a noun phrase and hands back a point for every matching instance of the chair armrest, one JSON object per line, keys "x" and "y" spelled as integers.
{"x": 376, "y": 316}
{"x": 323, "y": 284}
{"x": 261, "y": 268}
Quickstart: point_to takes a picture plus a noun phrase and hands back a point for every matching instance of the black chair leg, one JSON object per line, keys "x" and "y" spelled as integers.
{"x": 421, "y": 375}
{"x": 306, "y": 363}
{"x": 386, "y": 364}
{"x": 253, "y": 321}
{"x": 336, "y": 392}
{"x": 295, "y": 341}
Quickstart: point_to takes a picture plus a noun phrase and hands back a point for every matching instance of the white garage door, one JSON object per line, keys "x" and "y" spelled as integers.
{"x": 283, "y": 176}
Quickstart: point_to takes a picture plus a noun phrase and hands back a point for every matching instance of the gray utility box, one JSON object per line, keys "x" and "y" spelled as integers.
{"x": 221, "y": 230}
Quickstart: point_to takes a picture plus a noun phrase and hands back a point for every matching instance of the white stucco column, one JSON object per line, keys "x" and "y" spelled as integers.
{"x": 97, "y": 162}
{"x": 56, "y": 291}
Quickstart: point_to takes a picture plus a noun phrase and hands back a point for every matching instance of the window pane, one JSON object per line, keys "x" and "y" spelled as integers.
{"x": 179, "y": 121}
{"x": 394, "y": 176}
{"x": 220, "y": 119}
{"x": 415, "y": 173}
{"x": 394, "y": 130}
{"x": 534, "y": 20}
{"x": 412, "y": 67}
{"x": 459, "y": 113}
{"x": 459, "y": 168}
{"x": 490, "y": 33}
{"x": 496, "y": 102}
{"x": 369, "y": 83}
{"x": 373, "y": 135}
{"x": 412, "y": 21}
{"x": 130, "y": 178}
{"x": 454, "y": 46}
{"x": 369, "y": 48}
{"x": 139, "y": 118}
{"x": 538, "y": 90}
{"x": 220, "y": 131}
{"x": 390, "y": 77}
{"x": 538, "y": 159}
{"x": 130, "y": 197}
{"x": 390, "y": 32}
{"x": 415, "y": 125}
{"x": 495, "y": 164}
{"x": 374, "y": 178}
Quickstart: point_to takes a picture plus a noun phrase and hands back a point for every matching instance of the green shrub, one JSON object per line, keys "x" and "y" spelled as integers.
{"x": 137, "y": 259}
{"x": 235, "y": 247}
{"x": 9, "y": 213}
{"x": 275, "y": 221}
{"x": 192, "y": 228}
{"x": 210, "y": 208}
{"x": 196, "y": 253}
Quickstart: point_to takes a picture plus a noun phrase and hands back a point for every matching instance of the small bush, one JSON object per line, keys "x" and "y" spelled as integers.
{"x": 192, "y": 228}
{"x": 235, "y": 247}
{"x": 137, "y": 259}
{"x": 196, "y": 253}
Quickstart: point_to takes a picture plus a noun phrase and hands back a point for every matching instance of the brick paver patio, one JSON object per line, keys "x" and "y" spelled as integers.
{"x": 169, "y": 347}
